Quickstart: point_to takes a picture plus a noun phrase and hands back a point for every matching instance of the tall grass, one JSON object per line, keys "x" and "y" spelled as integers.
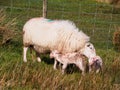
{"x": 17, "y": 75}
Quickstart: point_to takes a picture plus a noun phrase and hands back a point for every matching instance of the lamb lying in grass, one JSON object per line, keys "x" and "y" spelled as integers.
{"x": 95, "y": 63}
{"x": 69, "y": 58}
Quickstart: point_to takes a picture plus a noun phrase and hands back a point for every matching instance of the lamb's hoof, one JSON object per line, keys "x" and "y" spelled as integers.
{"x": 63, "y": 72}
{"x": 83, "y": 73}
{"x": 54, "y": 68}
{"x": 97, "y": 71}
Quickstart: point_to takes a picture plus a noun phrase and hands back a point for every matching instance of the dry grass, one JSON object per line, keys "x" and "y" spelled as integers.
{"x": 116, "y": 3}
{"x": 17, "y": 75}
{"x": 39, "y": 77}
{"x": 7, "y": 28}
{"x": 116, "y": 39}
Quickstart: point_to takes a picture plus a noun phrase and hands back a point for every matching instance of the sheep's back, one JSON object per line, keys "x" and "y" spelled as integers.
{"x": 61, "y": 35}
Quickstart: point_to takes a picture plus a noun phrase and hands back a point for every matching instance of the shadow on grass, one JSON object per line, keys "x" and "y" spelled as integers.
{"x": 45, "y": 58}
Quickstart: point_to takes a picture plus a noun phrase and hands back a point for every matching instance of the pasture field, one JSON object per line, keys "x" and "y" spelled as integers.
{"x": 98, "y": 20}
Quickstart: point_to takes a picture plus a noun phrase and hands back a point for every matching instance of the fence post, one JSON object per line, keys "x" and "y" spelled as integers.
{"x": 44, "y": 8}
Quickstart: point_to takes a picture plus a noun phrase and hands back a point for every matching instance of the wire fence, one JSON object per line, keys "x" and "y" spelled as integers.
{"x": 98, "y": 20}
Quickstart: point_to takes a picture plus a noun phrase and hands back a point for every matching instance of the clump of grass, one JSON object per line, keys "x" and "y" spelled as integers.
{"x": 116, "y": 39}
{"x": 7, "y": 28}
{"x": 115, "y": 3}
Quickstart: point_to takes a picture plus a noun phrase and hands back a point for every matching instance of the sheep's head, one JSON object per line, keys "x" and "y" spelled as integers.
{"x": 88, "y": 50}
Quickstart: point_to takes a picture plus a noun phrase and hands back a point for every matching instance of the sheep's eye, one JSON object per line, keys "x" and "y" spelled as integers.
{"x": 88, "y": 45}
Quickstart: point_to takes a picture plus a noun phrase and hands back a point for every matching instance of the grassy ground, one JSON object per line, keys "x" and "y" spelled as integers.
{"x": 95, "y": 19}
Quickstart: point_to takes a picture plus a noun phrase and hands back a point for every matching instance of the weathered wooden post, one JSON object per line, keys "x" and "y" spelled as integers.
{"x": 44, "y": 8}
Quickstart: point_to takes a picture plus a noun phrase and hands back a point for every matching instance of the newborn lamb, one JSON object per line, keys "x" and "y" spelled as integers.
{"x": 69, "y": 58}
{"x": 95, "y": 64}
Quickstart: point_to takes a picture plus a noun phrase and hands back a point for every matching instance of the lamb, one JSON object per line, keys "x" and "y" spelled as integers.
{"x": 69, "y": 58}
{"x": 60, "y": 35}
{"x": 95, "y": 63}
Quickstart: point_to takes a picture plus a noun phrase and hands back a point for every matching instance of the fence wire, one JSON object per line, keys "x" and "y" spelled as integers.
{"x": 98, "y": 20}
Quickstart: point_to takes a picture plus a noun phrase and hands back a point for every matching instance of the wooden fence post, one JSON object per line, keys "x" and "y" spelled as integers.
{"x": 44, "y": 8}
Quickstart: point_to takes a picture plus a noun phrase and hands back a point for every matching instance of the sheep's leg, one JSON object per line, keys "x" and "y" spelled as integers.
{"x": 55, "y": 64}
{"x": 38, "y": 57}
{"x": 25, "y": 54}
{"x": 63, "y": 68}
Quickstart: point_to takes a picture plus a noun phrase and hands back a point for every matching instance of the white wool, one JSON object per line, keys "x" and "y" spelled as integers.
{"x": 61, "y": 35}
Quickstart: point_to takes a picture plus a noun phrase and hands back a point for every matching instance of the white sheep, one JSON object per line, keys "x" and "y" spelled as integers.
{"x": 94, "y": 61}
{"x": 61, "y": 35}
{"x": 69, "y": 58}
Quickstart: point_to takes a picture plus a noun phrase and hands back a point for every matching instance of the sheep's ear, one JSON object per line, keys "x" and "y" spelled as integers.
{"x": 88, "y": 45}
{"x": 81, "y": 51}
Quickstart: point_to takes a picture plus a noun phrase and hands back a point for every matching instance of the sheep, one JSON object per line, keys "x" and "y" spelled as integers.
{"x": 75, "y": 57}
{"x": 88, "y": 50}
{"x": 49, "y": 35}
{"x": 95, "y": 63}
{"x": 69, "y": 58}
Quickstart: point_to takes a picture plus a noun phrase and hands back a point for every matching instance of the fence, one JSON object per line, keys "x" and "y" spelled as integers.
{"x": 95, "y": 19}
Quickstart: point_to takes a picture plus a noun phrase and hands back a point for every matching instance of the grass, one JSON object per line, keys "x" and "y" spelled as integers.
{"x": 95, "y": 19}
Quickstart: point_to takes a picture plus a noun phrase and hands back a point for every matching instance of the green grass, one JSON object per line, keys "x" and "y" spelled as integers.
{"x": 95, "y": 19}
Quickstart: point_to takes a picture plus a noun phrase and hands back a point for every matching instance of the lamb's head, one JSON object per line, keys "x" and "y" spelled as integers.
{"x": 95, "y": 63}
{"x": 88, "y": 50}
{"x": 53, "y": 53}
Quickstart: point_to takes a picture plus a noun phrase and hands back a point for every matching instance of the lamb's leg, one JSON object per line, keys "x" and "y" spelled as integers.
{"x": 81, "y": 67}
{"x": 55, "y": 64}
{"x": 63, "y": 68}
{"x": 38, "y": 57}
{"x": 98, "y": 70}
{"x": 90, "y": 69}
{"x": 25, "y": 53}
{"x": 83, "y": 70}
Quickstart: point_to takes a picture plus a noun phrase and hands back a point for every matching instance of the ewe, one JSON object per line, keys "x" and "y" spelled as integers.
{"x": 60, "y": 35}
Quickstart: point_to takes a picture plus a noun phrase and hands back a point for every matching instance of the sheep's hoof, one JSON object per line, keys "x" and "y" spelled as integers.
{"x": 25, "y": 61}
{"x": 38, "y": 59}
